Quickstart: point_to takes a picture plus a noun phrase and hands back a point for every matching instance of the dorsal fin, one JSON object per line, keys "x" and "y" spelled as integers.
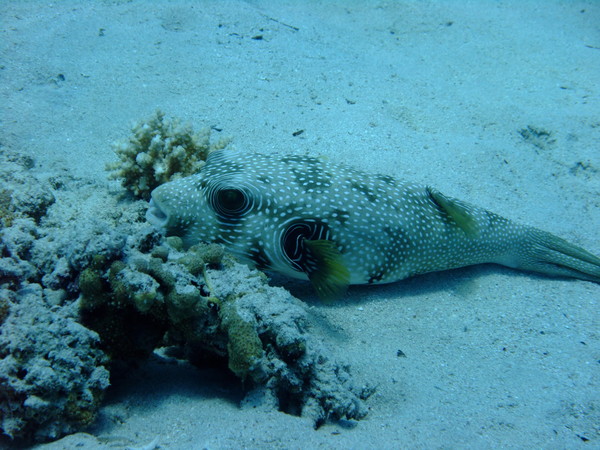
{"x": 455, "y": 211}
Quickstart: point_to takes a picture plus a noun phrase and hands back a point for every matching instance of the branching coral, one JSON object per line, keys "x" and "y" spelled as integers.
{"x": 160, "y": 150}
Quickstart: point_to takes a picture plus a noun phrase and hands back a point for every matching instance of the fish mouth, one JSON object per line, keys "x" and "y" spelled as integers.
{"x": 156, "y": 216}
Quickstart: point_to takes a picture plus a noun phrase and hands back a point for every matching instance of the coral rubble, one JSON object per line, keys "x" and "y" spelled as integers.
{"x": 52, "y": 373}
{"x": 219, "y": 308}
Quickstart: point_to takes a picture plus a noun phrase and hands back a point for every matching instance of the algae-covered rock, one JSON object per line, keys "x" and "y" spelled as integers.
{"x": 120, "y": 305}
{"x": 244, "y": 347}
{"x": 16, "y": 243}
{"x": 4, "y": 305}
{"x": 294, "y": 369}
{"x": 135, "y": 303}
{"x": 223, "y": 311}
{"x": 86, "y": 284}
{"x": 201, "y": 255}
{"x": 7, "y": 208}
{"x": 31, "y": 199}
{"x": 160, "y": 150}
{"x": 52, "y": 373}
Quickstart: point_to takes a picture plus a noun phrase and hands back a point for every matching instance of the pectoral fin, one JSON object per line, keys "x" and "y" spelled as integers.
{"x": 325, "y": 269}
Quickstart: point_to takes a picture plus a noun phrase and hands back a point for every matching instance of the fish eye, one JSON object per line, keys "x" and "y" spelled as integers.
{"x": 231, "y": 202}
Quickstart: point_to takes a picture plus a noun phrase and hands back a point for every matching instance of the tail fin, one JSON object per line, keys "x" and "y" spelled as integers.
{"x": 546, "y": 253}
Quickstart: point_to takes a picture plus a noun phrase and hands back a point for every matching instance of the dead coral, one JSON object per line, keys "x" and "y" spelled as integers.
{"x": 160, "y": 150}
{"x": 213, "y": 307}
{"x": 7, "y": 209}
{"x": 52, "y": 374}
{"x": 293, "y": 370}
{"x": 85, "y": 282}
{"x": 32, "y": 199}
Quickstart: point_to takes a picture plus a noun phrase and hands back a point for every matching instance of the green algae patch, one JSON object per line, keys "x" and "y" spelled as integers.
{"x": 7, "y": 209}
{"x": 121, "y": 310}
{"x": 244, "y": 347}
{"x": 4, "y": 309}
{"x": 199, "y": 256}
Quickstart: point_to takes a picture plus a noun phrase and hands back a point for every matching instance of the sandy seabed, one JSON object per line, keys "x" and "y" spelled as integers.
{"x": 495, "y": 103}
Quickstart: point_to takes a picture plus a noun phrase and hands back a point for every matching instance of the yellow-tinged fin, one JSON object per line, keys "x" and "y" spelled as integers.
{"x": 546, "y": 253}
{"x": 456, "y": 211}
{"x": 330, "y": 277}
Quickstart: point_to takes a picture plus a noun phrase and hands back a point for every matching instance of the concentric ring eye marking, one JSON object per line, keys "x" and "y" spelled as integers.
{"x": 230, "y": 203}
{"x": 292, "y": 242}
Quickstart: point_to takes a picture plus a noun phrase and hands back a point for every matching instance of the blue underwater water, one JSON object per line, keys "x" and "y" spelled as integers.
{"x": 492, "y": 103}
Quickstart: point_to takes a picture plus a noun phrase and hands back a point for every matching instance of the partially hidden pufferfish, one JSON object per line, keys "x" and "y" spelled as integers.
{"x": 336, "y": 226}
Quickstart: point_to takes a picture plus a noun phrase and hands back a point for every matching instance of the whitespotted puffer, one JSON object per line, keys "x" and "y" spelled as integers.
{"x": 335, "y": 226}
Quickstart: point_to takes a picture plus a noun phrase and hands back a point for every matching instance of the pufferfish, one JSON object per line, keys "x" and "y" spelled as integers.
{"x": 335, "y": 225}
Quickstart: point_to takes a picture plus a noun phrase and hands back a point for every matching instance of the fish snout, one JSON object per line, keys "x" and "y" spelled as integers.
{"x": 156, "y": 215}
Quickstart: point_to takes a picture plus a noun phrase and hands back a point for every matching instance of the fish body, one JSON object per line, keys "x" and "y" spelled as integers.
{"x": 335, "y": 225}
